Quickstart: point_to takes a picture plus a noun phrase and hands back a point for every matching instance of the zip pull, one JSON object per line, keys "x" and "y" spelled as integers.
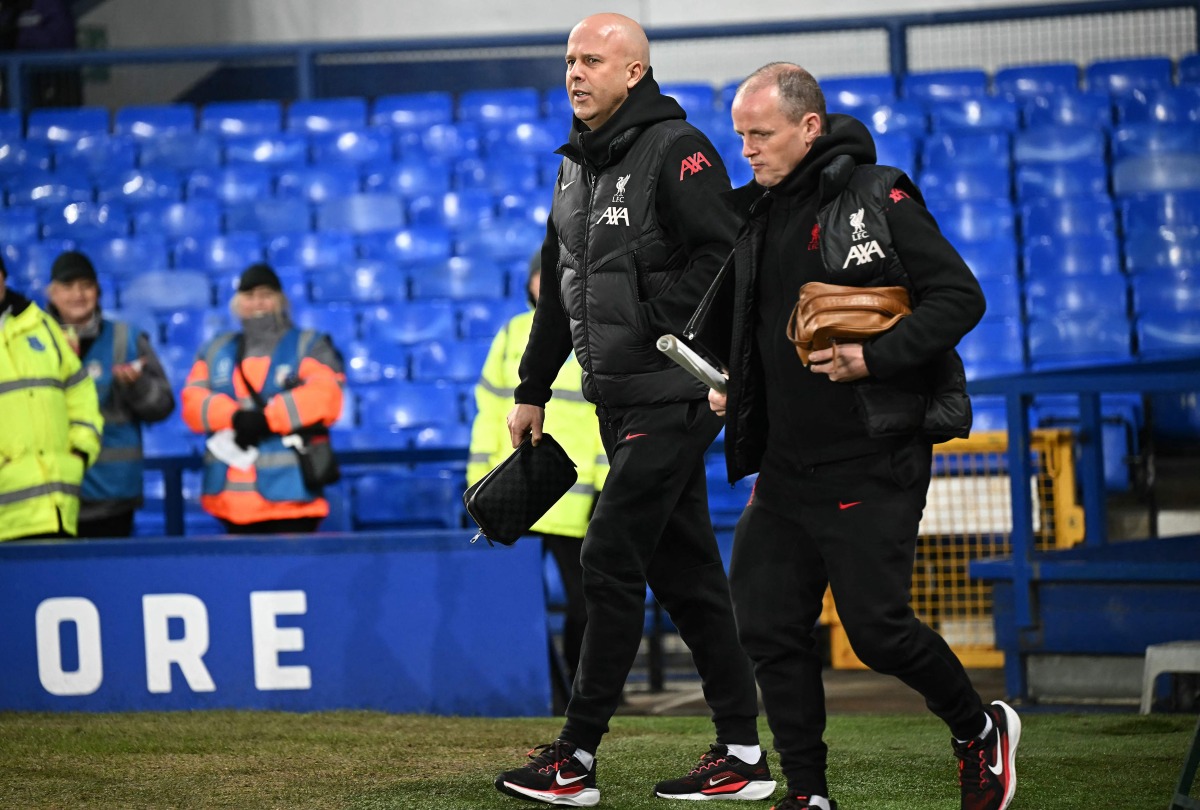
{"x": 479, "y": 534}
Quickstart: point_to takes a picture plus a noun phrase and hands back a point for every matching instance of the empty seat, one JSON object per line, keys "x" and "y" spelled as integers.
{"x": 236, "y": 118}
{"x": 413, "y": 110}
{"x": 1079, "y": 339}
{"x": 1154, "y": 138}
{"x": 453, "y": 361}
{"x": 1172, "y": 171}
{"x": 45, "y": 189}
{"x": 330, "y": 249}
{"x": 1164, "y": 105}
{"x": 1169, "y": 289}
{"x": 939, "y": 85}
{"x": 1003, "y": 296}
{"x": 1189, "y": 69}
{"x": 458, "y": 277}
{"x": 269, "y": 216}
{"x": 482, "y": 318}
{"x": 448, "y": 141}
{"x": 975, "y": 220}
{"x": 411, "y": 322}
{"x": 1028, "y": 81}
{"x": 696, "y": 98}
{"x": 966, "y": 148}
{"x": 361, "y": 213}
{"x": 1060, "y": 144}
{"x": 168, "y": 290}
{"x": 365, "y": 281}
{"x": 990, "y": 258}
{"x": 230, "y": 184}
{"x": 183, "y": 151}
{"x": 18, "y": 157}
{"x": 12, "y": 125}
{"x": 1147, "y": 211}
{"x": 352, "y": 146}
{"x": 409, "y": 405}
{"x": 500, "y": 104}
{"x": 85, "y": 220}
{"x": 375, "y": 363}
{"x": 523, "y": 137}
{"x": 556, "y": 105}
{"x": 409, "y": 177}
{"x": 1082, "y": 109}
{"x": 533, "y": 204}
{"x": 192, "y": 328}
{"x": 844, "y": 93}
{"x": 416, "y": 244}
{"x": 65, "y": 125}
{"x": 272, "y": 149}
{"x": 20, "y": 224}
{"x": 986, "y": 112}
{"x": 150, "y": 121}
{"x": 1164, "y": 248}
{"x": 326, "y": 115}
{"x": 97, "y": 155}
{"x": 1048, "y": 296}
{"x": 994, "y": 348}
{"x": 970, "y": 182}
{"x": 125, "y": 256}
{"x": 1120, "y": 77}
{"x": 1086, "y": 178}
{"x": 1068, "y": 216}
{"x": 1090, "y": 256}
{"x": 140, "y": 185}
{"x": 178, "y": 219}
{"x": 1168, "y": 334}
{"x": 338, "y": 320}
{"x": 317, "y": 183}
{"x": 468, "y": 208}
{"x": 428, "y": 499}
{"x": 503, "y": 240}
{"x": 516, "y": 172}
{"x": 894, "y": 116}
{"x": 226, "y": 251}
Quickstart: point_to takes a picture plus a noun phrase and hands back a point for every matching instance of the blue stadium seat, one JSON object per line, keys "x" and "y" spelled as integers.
{"x": 504, "y": 240}
{"x": 183, "y": 151}
{"x": 28, "y": 263}
{"x": 1164, "y": 105}
{"x": 1068, "y": 216}
{"x": 1189, "y": 69}
{"x": 1048, "y": 296}
{"x": 331, "y": 249}
{"x": 317, "y": 183}
{"x": 416, "y": 244}
{"x": 192, "y": 328}
{"x": 237, "y": 118}
{"x": 970, "y": 182}
{"x": 1121, "y": 420}
{"x": 1060, "y": 144}
{"x": 269, "y": 217}
{"x": 1086, "y": 178}
{"x": 978, "y": 112}
{"x": 1120, "y": 77}
{"x": 414, "y": 111}
{"x": 150, "y": 121}
{"x": 469, "y": 208}
{"x": 176, "y": 220}
{"x": 140, "y": 185}
{"x": 230, "y": 184}
{"x": 1155, "y": 138}
{"x": 1021, "y": 82}
{"x": 375, "y": 363}
{"x": 411, "y": 322}
{"x": 1171, "y": 171}
{"x": 939, "y": 85}
{"x": 500, "y": 174}
{"x": 1003, "y": 296}
{"x": 409, "y": 178}
{"x": 225, "y": 251}
{"x": 458, "y": 277}
{"x": 326, "y": 115}
{"x": 1079, "y": 339}
{"x": 533, "y": 204}
{"x": 85, "y": 220}
{"x": 966, "y": 148}
{"x": 550, "y": 162}
{"x": 1164, "y": 248}
{"x": 1167, "y": 289}
{"x": 366, "y": 281}
{"x": 453, "y": 361}
{"x": 455, "y": 434}
{"x": 845, "y": 93}
{"x": 339, "y": 321}
{"x": 20, "y": 224}
{"x": 523, "y": 137}
{"x": 1150, "y": 210}
{"x": 97, "y": 155}
{"x": 168, "y": 290}
{"x": 556, "y": 106}
{"x": 447, "y": 142}
{"x": 294, "y": 281}
{"x": 698, "y": 99}
{"x": 1168, "y": 334}
{"x": 994, "y": 348}
{"x": 1088, "y": 256}
{"x": 1072, "y": 109}
{"x": 274, "y": 149}
{"x": 355, "y": 147}
{"x": 990, "y": 258}
{"x": 45, "y": 189}
{"x": 361, "y": 213}
{"x": 975, "y": 220}
{"x": 19, "y": 157}
{"x": 126, "y": 256}
{"x": 12, "y": 125}
{"x": 501, "y": 104}
{"x": 895, "y": 116}
{"x": 426, "y": 499}
{"x": 63, "y": 125}
{"x": 482, "y": 318}
{"x": 409, "y": 405}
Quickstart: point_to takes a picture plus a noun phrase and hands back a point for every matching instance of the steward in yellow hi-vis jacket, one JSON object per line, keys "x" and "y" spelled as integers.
{"x": 51, "y": 422}
{"x": 572, "y": 422}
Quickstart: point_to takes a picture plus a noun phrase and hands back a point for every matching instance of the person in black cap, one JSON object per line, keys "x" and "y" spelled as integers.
{"x": 132, "y": 387}
{"x": 264, "y": 385}
{"x": 51, "y": 419}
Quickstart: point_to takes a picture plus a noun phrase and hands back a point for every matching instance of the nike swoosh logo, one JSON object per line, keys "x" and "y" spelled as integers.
{"x": 564, "y": 186}
{"x": 848, "y": 505}
{"x": 998, "y": 768}
{"x": 715, "y": 782}
{"x": 558, "y": 777}
{"x": 629, "y": 436}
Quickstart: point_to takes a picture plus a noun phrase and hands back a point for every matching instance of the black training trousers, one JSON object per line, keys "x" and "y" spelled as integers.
{"x": 852, "y": 525}
{"x": 652, "y": 525}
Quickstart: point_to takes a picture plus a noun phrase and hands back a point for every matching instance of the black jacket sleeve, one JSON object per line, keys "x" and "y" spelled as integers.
{"x": 948, "y": 300}
{"x": 549, "y": 337}
{"x": 690, "y": 209}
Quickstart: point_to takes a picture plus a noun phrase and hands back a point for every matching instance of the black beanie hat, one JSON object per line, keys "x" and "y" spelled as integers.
{"x": 72, "y": 266}
{"x": 259, "y": 275}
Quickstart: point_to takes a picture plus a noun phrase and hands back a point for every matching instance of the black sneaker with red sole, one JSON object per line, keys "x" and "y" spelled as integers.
{"x": 553, "y": 776}
{"x": 987, "y": 768}
{"x": 720, "y": 775}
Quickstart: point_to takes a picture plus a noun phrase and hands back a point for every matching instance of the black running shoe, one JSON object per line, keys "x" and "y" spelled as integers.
{"x": 553, "y": 776}
{"x": 796, "y": 801}
{"x": 720, "y": 775}
{"x": 987, "y": 771}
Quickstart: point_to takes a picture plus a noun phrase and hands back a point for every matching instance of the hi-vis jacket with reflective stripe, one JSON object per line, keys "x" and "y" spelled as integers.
{"x": 570, "y": 419}
{"x": 304, "y": 388}
{"x": 50, "y": 417}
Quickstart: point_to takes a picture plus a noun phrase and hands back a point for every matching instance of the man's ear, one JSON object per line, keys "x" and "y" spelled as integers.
{"x": 633, "y": 73}
{"x": 812, "y": 127}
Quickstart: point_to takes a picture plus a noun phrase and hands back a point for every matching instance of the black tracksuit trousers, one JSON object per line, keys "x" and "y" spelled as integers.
{"x": 852, "y": 525}
{"x": 652, "y": 525}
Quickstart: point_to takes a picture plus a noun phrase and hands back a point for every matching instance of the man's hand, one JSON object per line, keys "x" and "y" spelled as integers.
{"x": 717, "y": 401}
{"x": 847, "y": 365}
{"x": 250, "y": 428}
{"x": 523, "y": 420}
{"x": 128, "y": 373}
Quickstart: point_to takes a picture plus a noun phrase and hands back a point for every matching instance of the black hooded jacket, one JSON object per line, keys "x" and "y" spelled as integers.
{"x": 781, "y": 417}
{"x": 636, "y": 235}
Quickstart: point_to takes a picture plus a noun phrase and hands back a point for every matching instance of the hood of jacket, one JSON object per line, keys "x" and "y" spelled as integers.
{"x": 645, "y": 106}
{"x": 13, "y": 303}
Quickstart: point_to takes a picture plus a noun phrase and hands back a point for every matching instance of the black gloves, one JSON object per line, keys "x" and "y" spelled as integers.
{"x": 250, "y": 428}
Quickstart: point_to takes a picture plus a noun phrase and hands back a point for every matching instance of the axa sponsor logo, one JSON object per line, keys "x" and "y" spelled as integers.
{"x": 693, "y": 165}
{"x": 614, "y": 216}
{"x": 861, "y": 254}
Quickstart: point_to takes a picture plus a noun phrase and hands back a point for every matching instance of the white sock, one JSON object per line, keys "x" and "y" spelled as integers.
{"x": 818, "y": 801}
{"x": 585, "y": 758}
{"x": 750, "y": 754}
{"x": 987, "y": 729}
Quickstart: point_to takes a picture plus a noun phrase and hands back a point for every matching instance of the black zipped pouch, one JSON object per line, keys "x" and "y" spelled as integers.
{"x": 507, "y": 501}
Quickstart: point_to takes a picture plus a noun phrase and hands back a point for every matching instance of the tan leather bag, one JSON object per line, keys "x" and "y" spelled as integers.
{"x": 828, "y": 314}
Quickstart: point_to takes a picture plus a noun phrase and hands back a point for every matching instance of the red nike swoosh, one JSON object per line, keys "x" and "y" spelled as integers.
{"x": 634, "y": 435}
{"x": 848, "y": 505}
